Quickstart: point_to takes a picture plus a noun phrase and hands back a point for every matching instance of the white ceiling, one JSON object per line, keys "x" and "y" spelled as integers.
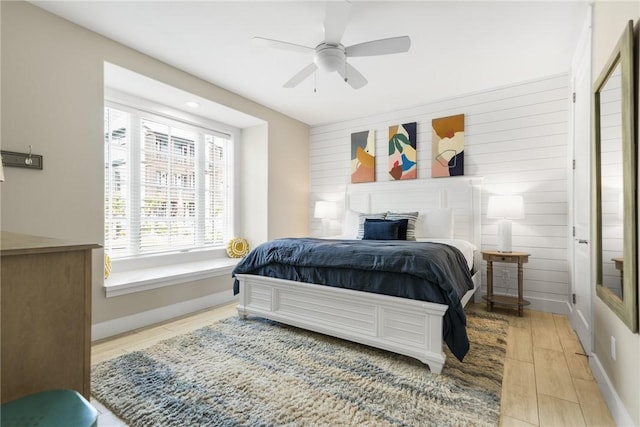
{"x": 457, "y": 47}
{"x": 123, "y": 80}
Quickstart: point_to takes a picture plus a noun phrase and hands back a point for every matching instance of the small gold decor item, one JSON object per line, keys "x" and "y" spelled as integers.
{"x": 107, "y": 266}
{"x": 237, "y": 247}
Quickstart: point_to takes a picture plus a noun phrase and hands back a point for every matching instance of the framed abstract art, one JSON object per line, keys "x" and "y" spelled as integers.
{"x": 447, "y": 146}
{"x": 363, "y": 156}
{"x": 402, "y": 151}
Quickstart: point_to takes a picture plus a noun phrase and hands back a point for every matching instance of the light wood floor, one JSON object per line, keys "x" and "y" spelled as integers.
{"x": 547, "y": 379}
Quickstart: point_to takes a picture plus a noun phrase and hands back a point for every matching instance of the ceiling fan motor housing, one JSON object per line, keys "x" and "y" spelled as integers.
{"x": 329, "y": 57}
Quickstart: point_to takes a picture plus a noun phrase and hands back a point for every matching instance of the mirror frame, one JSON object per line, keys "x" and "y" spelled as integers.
{"x": 626, "y": 307}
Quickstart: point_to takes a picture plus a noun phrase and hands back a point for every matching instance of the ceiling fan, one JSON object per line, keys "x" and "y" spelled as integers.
{"x": 331, "y": 55}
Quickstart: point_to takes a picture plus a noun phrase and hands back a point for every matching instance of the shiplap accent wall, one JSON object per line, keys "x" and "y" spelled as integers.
{"x": 516, "y": 137}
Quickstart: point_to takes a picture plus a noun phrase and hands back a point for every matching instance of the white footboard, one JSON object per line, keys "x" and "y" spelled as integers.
{"x": 409, "y": 327}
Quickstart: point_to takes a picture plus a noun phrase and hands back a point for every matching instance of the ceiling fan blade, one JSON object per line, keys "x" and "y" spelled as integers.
{"x": 335, "y": 21}
{"x": 301, "y": 75}
{"x": 380, "y": 47}
{"x": 277, "y": 44}
{"x": 352, "y": 76}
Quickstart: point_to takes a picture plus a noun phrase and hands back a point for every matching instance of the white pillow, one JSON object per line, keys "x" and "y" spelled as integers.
{"x": 411, "y": 217}
{"x": 350, "y": 224}
{"x": 436, "y": 224}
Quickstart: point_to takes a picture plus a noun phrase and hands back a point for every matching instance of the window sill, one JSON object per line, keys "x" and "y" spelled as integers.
{"x": 144, "y": 279}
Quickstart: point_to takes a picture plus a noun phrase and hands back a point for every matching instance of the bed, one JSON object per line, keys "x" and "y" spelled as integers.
{"x": 403, "y": 325}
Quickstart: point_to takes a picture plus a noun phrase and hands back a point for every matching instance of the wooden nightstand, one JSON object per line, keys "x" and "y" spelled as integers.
{"x": 512, "y": 257}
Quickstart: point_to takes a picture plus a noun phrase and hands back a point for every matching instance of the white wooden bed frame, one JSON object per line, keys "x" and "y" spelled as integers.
{"x": 405, "y": 326}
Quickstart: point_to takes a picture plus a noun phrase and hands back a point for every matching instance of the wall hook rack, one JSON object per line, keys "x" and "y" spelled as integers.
{"x": 21, "y": 160}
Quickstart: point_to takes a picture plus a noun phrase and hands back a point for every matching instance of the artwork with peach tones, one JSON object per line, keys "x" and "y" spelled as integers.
{"x": 363, "y": 156}
{"x": 447, "y": 146}
{"x": 402, "y": 151}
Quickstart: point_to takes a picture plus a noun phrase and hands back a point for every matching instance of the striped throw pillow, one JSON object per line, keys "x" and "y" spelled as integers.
{"x": 412, "y": 217}
{"x": 361, "y": 219}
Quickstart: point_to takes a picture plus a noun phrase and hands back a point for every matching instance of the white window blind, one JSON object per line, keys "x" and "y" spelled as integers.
{"x": 167, "y": 184}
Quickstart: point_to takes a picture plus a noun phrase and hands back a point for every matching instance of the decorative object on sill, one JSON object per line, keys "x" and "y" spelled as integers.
{"x": 22, "y": 160}
{"x": 326, "y": 211}
{"x": 402, "y": 151}
{"x": 363, "y": 156}
{"x": 447, "y": 146}
{"x": 107, "y": 266}
{"x": 237, "y": 247}
{"x": 505, "y": 208}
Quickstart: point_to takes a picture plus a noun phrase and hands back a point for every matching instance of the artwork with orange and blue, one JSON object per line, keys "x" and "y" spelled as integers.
{"x": 402, "y": 151}
{"x": 447, "y": 146}
{"x": 363, "y": 156}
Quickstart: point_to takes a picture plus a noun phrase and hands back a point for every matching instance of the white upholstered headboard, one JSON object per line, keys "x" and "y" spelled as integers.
{"x": 462, "y": 194}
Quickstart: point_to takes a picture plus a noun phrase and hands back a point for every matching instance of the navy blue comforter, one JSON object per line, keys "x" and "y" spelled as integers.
{"x": 418, "y": 270}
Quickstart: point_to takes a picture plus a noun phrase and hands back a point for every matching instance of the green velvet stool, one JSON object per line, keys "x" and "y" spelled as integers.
{"x": 55, "y": 408}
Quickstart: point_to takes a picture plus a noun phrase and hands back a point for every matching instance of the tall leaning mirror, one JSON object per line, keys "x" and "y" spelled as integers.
{"x": 615, "y": 182}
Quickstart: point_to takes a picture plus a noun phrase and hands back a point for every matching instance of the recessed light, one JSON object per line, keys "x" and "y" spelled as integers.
{"x": 192, "y": 104}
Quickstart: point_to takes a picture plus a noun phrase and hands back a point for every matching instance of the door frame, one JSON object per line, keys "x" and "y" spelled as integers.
{"x": 583, "y": 48}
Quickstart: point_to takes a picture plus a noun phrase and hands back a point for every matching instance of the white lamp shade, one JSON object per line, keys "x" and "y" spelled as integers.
{"x": 325, "y": 210}
{"x": 509, "y": 207}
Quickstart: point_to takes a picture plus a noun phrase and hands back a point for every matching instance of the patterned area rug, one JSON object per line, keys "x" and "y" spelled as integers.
{"x": 257, "y": 372}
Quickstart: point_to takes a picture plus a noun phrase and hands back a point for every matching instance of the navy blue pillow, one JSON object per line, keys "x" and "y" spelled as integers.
{"x": 402, "y": 230}
{"x": 380, "y": 229}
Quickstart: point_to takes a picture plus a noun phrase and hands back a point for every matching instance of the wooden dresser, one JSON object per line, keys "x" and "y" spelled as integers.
{"x": 46, "y": 315}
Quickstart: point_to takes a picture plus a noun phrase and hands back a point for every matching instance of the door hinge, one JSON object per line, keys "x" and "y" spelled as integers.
{"x": 574, "y": 164}
{"x": 574, "y": 231}
{"x": 573, "y": 298}
{"x": 574, "y": 97}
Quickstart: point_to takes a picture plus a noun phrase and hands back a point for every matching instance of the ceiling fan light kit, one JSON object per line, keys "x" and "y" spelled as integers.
{"x": 331, "y": 55}
{"x": 329, "y": 58}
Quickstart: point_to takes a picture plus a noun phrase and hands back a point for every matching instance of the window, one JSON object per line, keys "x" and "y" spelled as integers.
{"x": 167, "y": 184}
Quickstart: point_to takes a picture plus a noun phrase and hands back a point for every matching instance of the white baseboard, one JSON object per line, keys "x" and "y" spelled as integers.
{"x": 538, "y": 304}
{"x": 616, "y": 406}
{"x": 150, "y": 317}
{"x": 550, "y": 306}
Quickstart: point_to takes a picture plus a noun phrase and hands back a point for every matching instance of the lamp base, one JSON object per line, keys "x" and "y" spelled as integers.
{"x": 504, "y": 235}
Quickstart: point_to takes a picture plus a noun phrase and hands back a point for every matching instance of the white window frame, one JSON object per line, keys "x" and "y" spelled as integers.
{"x": 144, "y": 272}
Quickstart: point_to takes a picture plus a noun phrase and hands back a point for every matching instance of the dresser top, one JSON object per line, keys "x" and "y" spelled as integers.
{"x": 21, "y": 244}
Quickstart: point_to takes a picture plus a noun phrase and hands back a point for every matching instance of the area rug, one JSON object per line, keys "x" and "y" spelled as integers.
{"x": 258, "y": 372}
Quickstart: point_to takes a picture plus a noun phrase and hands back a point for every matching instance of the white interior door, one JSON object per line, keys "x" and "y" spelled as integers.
{"x": 581, "y": 283}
